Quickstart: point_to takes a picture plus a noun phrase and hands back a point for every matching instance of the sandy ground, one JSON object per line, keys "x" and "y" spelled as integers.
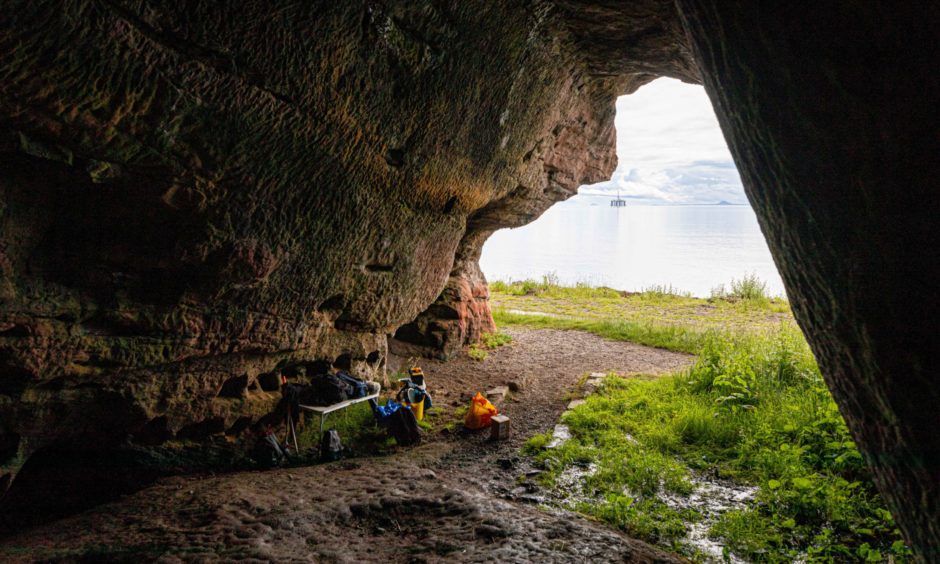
{"x": 451, "y": 499}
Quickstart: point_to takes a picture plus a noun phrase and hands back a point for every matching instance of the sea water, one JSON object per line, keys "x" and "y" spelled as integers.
{"x": 690, "y": 248}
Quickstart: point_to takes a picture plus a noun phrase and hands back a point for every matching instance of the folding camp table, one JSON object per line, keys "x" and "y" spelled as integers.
{"x": 323, "y": 410}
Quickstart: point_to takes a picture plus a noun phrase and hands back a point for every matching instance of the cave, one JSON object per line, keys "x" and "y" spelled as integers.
{"x": 189, "y": 195}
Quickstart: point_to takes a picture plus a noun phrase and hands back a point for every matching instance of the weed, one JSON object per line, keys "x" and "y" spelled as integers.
{"x": 478, "y": 353}
{"x": 494, "y": 340}
{"x": 749, "y": 287}
{"x": 659, "y": 291}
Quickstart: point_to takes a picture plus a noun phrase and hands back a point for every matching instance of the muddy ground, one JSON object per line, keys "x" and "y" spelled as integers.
{"x": 456, "y": 498}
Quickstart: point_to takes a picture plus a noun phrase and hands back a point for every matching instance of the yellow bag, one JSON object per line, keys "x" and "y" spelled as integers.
{"x": 480, "y": 414}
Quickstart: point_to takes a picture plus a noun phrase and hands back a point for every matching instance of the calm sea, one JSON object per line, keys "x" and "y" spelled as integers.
{"x": 691, "y": 248}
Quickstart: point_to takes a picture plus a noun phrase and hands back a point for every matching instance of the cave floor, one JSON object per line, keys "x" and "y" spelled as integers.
{"x": 457, "y": 497}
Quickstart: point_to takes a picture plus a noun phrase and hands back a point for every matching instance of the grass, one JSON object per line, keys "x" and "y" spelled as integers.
{"x": 659, "y": 306}
{"x": 752, "y": 410}
{"x": 671, "y": 337}
{"x": 477, "y": 353}
{"x": 494, "y": 340}
{"x": 488, "y": 341}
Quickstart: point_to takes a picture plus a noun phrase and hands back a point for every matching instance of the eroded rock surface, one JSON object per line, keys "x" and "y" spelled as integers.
{"x": 830, "y": 115}
{"x": 194, "y": 198}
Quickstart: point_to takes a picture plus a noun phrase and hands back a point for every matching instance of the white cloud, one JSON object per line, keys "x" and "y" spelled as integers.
{"x": 671, "y": 149}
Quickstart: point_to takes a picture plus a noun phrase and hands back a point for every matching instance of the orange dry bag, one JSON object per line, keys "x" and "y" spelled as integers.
{"x": 480, "y": 414}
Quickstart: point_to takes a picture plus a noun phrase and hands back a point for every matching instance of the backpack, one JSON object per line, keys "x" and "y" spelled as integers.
{"x": 360, "y": 388}
{"x": 331, "y": 448}
{"x": 268, "y": 452}
{"x": 403, "y": 426}
{"x": 327, "y": 389}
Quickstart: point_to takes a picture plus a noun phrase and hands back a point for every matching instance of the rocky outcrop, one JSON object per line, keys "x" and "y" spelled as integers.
{"x": 829, "y": 113}
{"x": 193, "y": 199}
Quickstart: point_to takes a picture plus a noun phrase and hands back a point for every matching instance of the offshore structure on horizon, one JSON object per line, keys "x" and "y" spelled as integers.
{"x": 618, "y": 203}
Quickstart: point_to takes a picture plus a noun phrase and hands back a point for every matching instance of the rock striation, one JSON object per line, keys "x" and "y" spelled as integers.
{"x": 193, "y": 198}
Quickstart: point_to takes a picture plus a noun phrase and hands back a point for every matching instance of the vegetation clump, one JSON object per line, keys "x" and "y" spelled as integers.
{"x": 750, "y": 288}
{"x": 752, "y": 410}
{"x": 488, "y": 341}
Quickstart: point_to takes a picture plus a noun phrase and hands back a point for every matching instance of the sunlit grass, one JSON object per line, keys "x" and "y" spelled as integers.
{"x": 671, "y": 337}
{"x": 753, "y": 409}
{"x": 660, "y": 306}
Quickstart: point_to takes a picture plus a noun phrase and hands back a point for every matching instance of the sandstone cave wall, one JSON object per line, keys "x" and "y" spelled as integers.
{"x": 192, "y": 197}
{"x": 830, "y": 112}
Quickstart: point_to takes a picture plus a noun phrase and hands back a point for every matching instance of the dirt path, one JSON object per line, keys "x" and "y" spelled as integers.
{"x": 448, "y": 500}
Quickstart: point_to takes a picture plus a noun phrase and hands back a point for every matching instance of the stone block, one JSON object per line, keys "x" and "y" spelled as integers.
{"x": 500, "y": 428}
{"x": 497, "y": 394}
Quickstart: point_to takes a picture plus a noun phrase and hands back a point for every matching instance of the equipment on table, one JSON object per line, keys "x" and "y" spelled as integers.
{"x": 328, "y": 389}
{"x": 480, "y": 414}
{"x": 359, "y": 388}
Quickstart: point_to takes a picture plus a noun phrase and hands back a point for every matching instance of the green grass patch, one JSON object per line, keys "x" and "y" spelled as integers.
{"x": 477, "y": 353}
{"x": 671, "y": 337}
{"x": 495, "y": 340}
{"x": 745, "y": 308}
{"x": 753, "y": 409}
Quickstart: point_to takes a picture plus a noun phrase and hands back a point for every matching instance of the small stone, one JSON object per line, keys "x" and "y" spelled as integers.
{"x": 560, "y": 435}
{"x": 515, "y": 386}
{"x": 575, "y": 403}
{"x": 497, "y": 394}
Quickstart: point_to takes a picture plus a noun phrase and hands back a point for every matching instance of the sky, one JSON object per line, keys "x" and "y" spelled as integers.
{"x": 670, "y": 149}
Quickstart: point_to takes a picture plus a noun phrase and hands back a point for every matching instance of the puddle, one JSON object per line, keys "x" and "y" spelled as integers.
{"x": 571, "y": 483}
{"x": 711, "y": 498}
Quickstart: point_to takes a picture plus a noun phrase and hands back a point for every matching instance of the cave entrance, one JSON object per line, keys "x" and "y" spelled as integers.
{"x": 687, "y": 231}
{"x": 687, "y": 226}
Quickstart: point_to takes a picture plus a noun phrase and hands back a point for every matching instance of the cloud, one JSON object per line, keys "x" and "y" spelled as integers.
{"x": 671, "y": 149}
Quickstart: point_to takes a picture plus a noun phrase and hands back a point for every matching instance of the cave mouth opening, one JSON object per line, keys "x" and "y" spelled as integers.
{"x": 685, "y": 226}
